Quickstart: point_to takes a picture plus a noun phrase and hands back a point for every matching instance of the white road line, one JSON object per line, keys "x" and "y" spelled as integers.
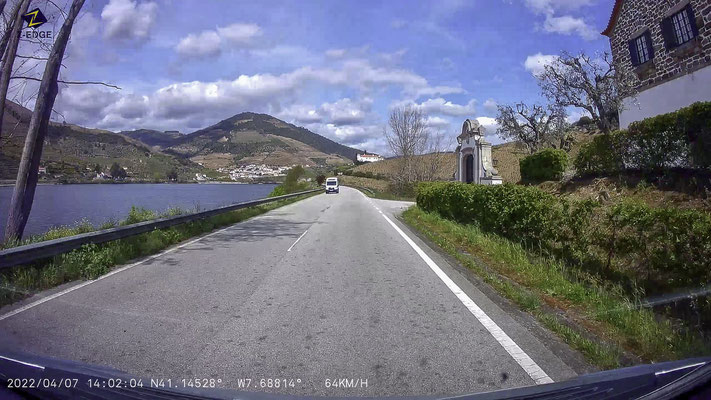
{"x": 114, "y": 272}
{"x": 22, "y": 362}
{"x": 297, "y": 240}
{"x": 528, "y": 365}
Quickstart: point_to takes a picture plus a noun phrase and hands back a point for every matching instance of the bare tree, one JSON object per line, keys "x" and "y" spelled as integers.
{"x": 27, "y": 175}
{"x": 407, "y": 137}
{"x": 594, "y": 85}
{"x": 431, "y": 164}
{"x": 533, "y": 126}
{"x": 8, "y": 59}
{"x": 8, "y": 26}
{"x": 419, "y": 150}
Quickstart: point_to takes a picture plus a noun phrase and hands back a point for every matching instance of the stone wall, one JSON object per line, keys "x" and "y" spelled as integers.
{"x": 636, "y": 15}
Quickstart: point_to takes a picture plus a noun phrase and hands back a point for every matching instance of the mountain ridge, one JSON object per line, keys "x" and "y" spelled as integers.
{"x": 245, "y": 138}
{"x": 250, "y": 137}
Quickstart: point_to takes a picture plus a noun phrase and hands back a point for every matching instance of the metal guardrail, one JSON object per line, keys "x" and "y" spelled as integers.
{"x": 40, "y": 250}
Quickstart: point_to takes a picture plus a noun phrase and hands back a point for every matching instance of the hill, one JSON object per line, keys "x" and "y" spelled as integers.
{"x": 506, "y": 158}
{"x": 250, "y": 138}
{"x": 150, "y": 137}
{"x": 71, "y": 152}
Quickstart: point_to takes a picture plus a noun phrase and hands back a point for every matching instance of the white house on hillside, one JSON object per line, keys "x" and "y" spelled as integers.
{"x": 365, "y": 157}
{"x": 667, "y": 45}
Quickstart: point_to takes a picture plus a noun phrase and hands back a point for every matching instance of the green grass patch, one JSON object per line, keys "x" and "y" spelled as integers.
{"x": 376, "y": 194}
{"x": 599, "y": 308}
{"x": 93, "y": 260}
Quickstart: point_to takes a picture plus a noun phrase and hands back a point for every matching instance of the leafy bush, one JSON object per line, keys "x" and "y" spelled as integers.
{"x": 291, "y": 183}
{"x": 602, "y": 156}
{"x": 680, "y": 139}
{"x": 657, "y": 247}
{"x": 695, "y": 121}
{"x": 546, "y": 165}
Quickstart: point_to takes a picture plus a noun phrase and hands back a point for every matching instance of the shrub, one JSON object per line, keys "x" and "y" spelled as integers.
{"x": 695, "y": 121}
{"x": 291, "y": 183}
{"x": 546, "y": 165}
{"x": 655, "y": 144}
{"x": 601, "y": 156}
{"x": 681, "y": 139}
{"x": 657, "y": 247}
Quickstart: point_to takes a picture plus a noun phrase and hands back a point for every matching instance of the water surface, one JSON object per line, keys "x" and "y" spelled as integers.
{"x": 97, "y": 203}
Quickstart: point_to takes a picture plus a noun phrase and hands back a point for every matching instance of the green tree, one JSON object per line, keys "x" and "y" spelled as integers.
{"x": 291, "y": 183}
{"x": 117, "y": 172}
{"x": 321, "y": 179}
{"x": 97, "y": 168}
{"x": 292, "y": 177}
{"x": 172, "y": 175}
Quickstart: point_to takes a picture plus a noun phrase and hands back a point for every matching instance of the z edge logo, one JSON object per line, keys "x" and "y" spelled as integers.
{"x": 34, "y": 18}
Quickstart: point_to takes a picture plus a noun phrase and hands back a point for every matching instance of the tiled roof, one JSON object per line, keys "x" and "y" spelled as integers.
{"x": 613, "y": 17}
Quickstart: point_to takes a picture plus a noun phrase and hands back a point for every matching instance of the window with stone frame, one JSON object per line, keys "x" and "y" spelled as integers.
{"x": 641, "y": 49}
{"x": 679, "y": 28}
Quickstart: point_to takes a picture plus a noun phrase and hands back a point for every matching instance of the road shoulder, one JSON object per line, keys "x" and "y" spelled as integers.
{"x": 558, "y": 359}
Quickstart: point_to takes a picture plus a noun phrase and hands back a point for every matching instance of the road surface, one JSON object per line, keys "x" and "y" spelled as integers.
{"x": 330, "y": 288}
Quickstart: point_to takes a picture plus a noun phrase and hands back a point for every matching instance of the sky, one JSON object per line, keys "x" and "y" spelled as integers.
{"x": 336, "y": 67}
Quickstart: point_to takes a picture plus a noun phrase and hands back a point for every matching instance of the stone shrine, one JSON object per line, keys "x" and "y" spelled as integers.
{"x": 474, "y": 162}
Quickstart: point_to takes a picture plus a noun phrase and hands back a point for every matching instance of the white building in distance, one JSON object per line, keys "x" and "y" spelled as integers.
{"x": 369, "y": 157}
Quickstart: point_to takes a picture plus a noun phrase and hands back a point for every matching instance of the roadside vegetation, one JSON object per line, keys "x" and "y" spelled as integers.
{"x": 93, "y": 260}
{"x": 595, "y": 316}
{"x": 293, "y": 182}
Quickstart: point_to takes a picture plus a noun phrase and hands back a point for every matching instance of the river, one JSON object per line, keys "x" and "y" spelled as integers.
{"x": 56, "y": 205}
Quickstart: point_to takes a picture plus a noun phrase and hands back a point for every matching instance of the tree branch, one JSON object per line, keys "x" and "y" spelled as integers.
{"x": 70, "y": 82}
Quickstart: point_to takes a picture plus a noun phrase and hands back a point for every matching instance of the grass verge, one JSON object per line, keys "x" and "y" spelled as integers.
{"x": 606, "y": 326}
{"x": 382, "y": 195}
{"x": 93, "y": 260}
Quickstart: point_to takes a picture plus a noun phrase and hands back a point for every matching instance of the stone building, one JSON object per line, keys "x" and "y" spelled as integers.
{"x": 667, "y": 46}
{"x": 473, "y": 156}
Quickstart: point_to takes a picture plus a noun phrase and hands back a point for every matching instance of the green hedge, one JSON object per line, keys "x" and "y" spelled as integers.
{"x": 546, "y": 165}
{"x": 658, "y": 248}
{"x": 681, "y": 139}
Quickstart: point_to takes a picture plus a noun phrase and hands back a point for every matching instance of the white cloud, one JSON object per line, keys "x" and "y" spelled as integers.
{"x": 86, "y": 26}
{"x": 211, "y": 43}
{"x": 563, "y": 24}
{"x": 204, "y": 44}
{"x": 239, "y": 33}
{"x": 126, "y": 20}
{"x": 336, "y": 53}
{"x": 437, "y": 122}
{"x": 490, "y": 106}
{"x": 440, "y": 106}
{"x": 489, "y": 124}
{"x": 567, "y": 25}
{"x": 536, "y": 63}
{"x": 343, "y": 112}
{"x": 552, "y": 6}
{"x": 84, "y": 29}
{"x": 300, "y": 113}
{"x": 365, "y": 137}
{"x": 184, "y": 105}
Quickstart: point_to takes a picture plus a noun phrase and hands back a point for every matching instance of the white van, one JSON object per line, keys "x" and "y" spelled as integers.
{"x": 331, "y": 185}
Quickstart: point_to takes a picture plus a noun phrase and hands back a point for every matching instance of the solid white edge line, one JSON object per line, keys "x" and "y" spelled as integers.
{"x": 523, "y": 359}
{"x": 678, "y": 368}
{"x": 114, "y": 272}
{"x": 297, "y": 240}
{"x": 22, "y": 362}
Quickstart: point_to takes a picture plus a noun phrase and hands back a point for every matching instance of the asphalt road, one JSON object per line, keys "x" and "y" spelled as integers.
{"x": 350, "y": 298}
